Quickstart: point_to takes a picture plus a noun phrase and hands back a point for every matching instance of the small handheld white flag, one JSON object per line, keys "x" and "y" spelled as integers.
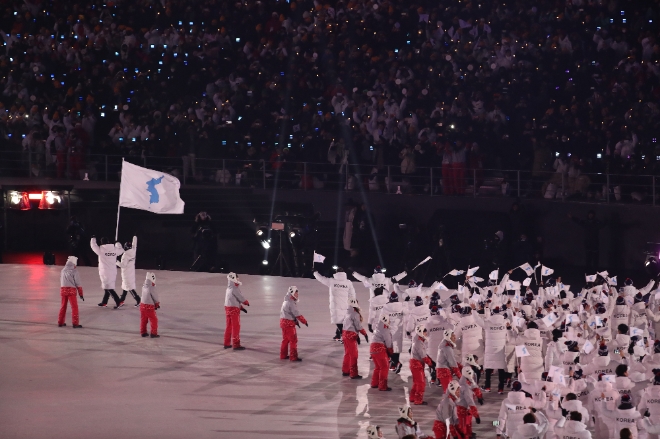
{"x": 527, "y": 281}
{"x": 518, "y": 321}
{"x": 561, "y": 379}
{"x": 590, "y": 277}
{"x": 521, "y": 351}
{"x": 513, "y": 285}
{"x": 494, "y": 274}
{"x": 546, "y": 271}
{"x": 635, "y": 331}
{"x": 609, "y": 378}
{"x": 603, "y": 274}
{"x": 400, "y": 276}
{"x": 554, "y": 371}
{"x": 588, "y": 347}
{"x": 145, "y": 189}
{"x": 527, "y": 269}
{"x": 570, "y": 318}
{"x": 428, "y": 258}
{"x": 318, "y": 258}
{"x": 612, "y": 281}
{"x": 455, "y": 273}
{"x": 442, "y": 287}
{"x": 550, "y": 319}
{"x": 472, "y": 270}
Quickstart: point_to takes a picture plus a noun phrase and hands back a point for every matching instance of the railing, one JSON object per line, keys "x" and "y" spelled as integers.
{"x": 307, "y": 176}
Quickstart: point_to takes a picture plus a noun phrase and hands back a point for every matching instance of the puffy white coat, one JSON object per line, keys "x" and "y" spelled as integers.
{"x": 416, "y": 315}
{"x": 496, "y": 336}
{"x": 624, "y": 418}
{"x": 571, "y": 430}
{"x": 514, "y": 408}
{"x": 107, "y": 254}
{"x": 395, "y": 311}
{"x": 650, "y": 400}
{"x": 471, "y": 337}
{"x": 376, "y": 304}
{"x": 532, "y": 366}
{"x": 341, "y": 291}
{"x": 533, "y": 431}
{"x": 436, "y": 326}
{"x": 376, "y": 281}
{"x": 127, "y": 265}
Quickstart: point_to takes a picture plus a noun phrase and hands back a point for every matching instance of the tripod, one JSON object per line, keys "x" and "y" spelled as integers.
{"x": 281, "y": 260}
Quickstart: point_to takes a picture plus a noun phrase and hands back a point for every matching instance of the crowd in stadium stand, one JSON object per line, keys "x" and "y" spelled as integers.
{"x": 567, "y": 87}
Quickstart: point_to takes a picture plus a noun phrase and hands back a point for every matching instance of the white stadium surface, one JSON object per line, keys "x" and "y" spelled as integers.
{"x": 105, "y": 381}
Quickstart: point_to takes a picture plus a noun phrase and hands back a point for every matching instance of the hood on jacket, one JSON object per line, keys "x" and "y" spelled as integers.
{"x": 639, "y": 307}
{"x": 533, "y": 332}
{"x": 572, "y": 406}
{"x": 575, "y": 426}
{"x": 378, "y": 277}
{"x": 339, "y": 276}
{"x": 623, "y": 383}
{"x": 529, "y": 430}
{"x": 69, "y": 265}
{"x": 602, "y": 386}
{"x": 516, "y": 397}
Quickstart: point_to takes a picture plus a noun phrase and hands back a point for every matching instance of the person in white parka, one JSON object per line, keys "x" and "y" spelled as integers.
{"x": 496, "y": 328}
{"x": 532, "y": 365}
{"x": 108, "y": 254}
{"x": 471, "y": 336}
{"x": 127, "y": 266}
{"x": 341, "y": 292}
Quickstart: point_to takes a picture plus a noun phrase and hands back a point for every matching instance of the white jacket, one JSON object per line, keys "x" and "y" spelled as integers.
{"x": 436, "y": 327}
{"x": 496, "y": 337}
{"x": 416, "y": 315}
{"x": 378, "y": 280}
{"x": 514, "y": 407}
{"x": 471, "y": 338}
{"x": 149, "y": 295}
{"x": 532, "y": 365}
{"x": 376, "y": 304}
{"x": 533, "y": 431}
{"x": 233, "y": 295}
{"x": 576, "y": 406}
{"x": 127, "y": 265}
{"x": 650, "y": 400}
{"x": 396, "y": 311}
{"x": 571, "y": 430}
{"x": 341, "y": 291}
{"x": 107, "y": 254}
{"x": 626, "y": 418}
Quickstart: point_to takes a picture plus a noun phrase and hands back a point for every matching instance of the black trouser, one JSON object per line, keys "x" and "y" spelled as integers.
{"x": 340, "y": 326}
{"x": 503, "y": 376}
{"x": 133, "y": 293}
{"x": 477, "y": 372}
{"x": 394, "y": 359}
{"x": 107, "y": 295}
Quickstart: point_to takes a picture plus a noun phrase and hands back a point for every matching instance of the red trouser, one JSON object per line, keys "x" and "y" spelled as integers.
{"x": 148, "y": 312}
{"x": 419, "y": 381}
{"x": 447, "y": 179}
{"x": 233, "y": 326}
{"x": 381, "y": 365}
{"x": 444, "y": 375}
{"x": 465, "y": 419}
{"x": 69, "y": 295}
{"x": 458, "y": 174}
{"x": 440, "y": 430}
{"x": 289, "y": 340}
{"x": 350, "y": 353}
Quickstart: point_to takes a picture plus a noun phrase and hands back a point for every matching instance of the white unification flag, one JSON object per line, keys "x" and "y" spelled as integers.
{"x": 318, "y": 258}
{"x": 146, "y": 189}
{"x": 570, "y": 318}
{"x": 609, "y": 378}
{"x": 521, "y": 351}
{"x": 472, "y": 270}
{"x": 603, "y": 274}
{"x": 513, "y": 285}
{"x": 527, "y": 281}
{"x": 527, "y": 269}
{"x": 550, "y": 319}
{"x": 612, "y": 281}
{"x": 635, "y": 331}
{"x": 440, "y": 286}
{"x": 545, "y": 271}
{"x": 494, "y": 274}
{"x": 456, "y": 272}
{"x": 400, "y": 276}
{"x": 590, "y": 277}
{"x": 428, "y": 258}
{"x": 588, "y": 347}
{"x": 555, "y": 370}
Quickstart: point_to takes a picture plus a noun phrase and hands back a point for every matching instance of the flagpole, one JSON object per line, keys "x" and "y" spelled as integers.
{"x": 119, "y": 201}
